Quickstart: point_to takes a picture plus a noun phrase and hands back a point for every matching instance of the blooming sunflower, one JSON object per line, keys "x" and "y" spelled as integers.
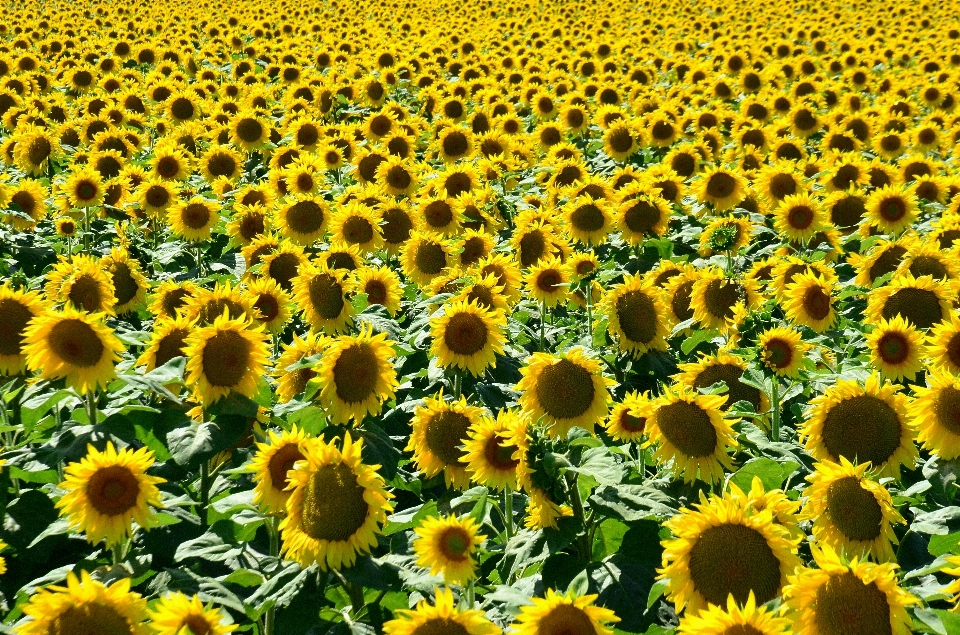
{"x": 727, "y": 368}
{"x": 895, "y": 348}
{"x": 922, "y": 301}
{"x": 227, "y": 356}
{"x": 636, "y": 314}
{"x": 847, "y": 597}
{"x": 169, "y": 296}
{"x": 722, "y": 188}
{"x": 107, "y": 491}
{"x": 443, "y": 617}
{"x": 798, "y": 218}
{"x": 274, "y": 459}
{"x": 85, "y": 605}
{"x": 302, "y": 218}
{"x": 356, "y": 375}
{"x": 320, "y": 292}
{"x": 291, "y": 383}
{"x": 720, "y": 549}
{"x": 357, "y": 224}
{"x": 193, "y": 219}
{"x": 129, "y": 283}
{"x": 382, "y": 286}
{"x": 736, "y": 619}
{"x": 439, "y": 430}
{"x": 627, "y": 421}
{"x": 80, "y": 282}
{"x": 271, "y": 304}
{"x": 447, "y": 546}
{"x": 717, "y": 300}
{"x": 336, "y": 507}
{"x": 84, "y": 188}
{"x": 74, "y": 345}
{"x": 782, "y": 351}
{"x": 542, "y": 513}
{"x": 866, "y": 423}
{"x": 17, "y": 308}
{"x": 891, "y": 208}
{"x": 205, "y": 305}
{"x": 689, "y": 428}
{"x": 935, "y": 414}
{"x": 588, "y": 220}
{"x": 564, "y": 390}
{"x": 851, "y": 511}
{"x": 564, "y": 615}
{"x": 424, "y": 256}
{"x": 809, "y": 301}
{"x": 496, "y": 451}
{"x": 178, "y": 614}
{"x": 468, "y": 336}
{"x": 167, "y": 341}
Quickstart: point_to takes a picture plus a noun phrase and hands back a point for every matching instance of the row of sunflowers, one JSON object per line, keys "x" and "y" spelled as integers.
{"x": 430, "y": 319}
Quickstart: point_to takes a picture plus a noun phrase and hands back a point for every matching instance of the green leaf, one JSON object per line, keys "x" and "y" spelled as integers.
{"x": 632, "y": 503}
{"x": 771, "y": 473}
{"x": 409, "y": 518}
{"x": 699, "y": 336}
{"x": 580, "y": 585}
{"x": 939, "y": 522}
{"x": 601, "y": 464}
{"x": 656, "y": 592}
{"x": 941, "y": 545}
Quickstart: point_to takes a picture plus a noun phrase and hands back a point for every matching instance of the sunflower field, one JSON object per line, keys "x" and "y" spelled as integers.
{"x": 424, "y": 317}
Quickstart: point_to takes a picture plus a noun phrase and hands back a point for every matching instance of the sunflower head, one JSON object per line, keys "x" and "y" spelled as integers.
{"x": 447, "y": 546}
{"x": 356, "y": 375}
{"x": 226, "y": 356}
{"x": 558, "y": 614}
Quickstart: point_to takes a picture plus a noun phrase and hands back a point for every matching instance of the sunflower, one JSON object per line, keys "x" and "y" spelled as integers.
{"x": 381, "y": 285}
{"x": 85, "y": 605}
{"x": 866, "y": 423}
{"x": 810, "y": 302}
{"x": 248, "y": 222}
{"x": 226, "y": 356}
{"x": 717, "y": 300}
{"x": 336, "y": 507}
{"x": 725, "y": 234}
{"x": 342, "y": 256}
{"x": 74, "y": 345}
{"x": 178, "y": 614}
{"x": 321, "y": 294}
{"x": 934, "y": 413}
{"x": 273, "y": 460}
{"x": 397, "y": 176}
{"x": 271, "y": 304}
{"x": 155, "y": 196}
{"x": 496, "y": 451}
{"x": 727, "y": 368}
{"x": 921, "y": 301}
{"x": 221, "y": 161}
{"x": 357, "y": 224}
{"x": 447, "y": 546}
{"x": 291, "y": 383}
{"x": 722, "y": 548}
{"x": 637, "y": 316}
{"x": 84, "y": 188}
{"x": 721, "y": 188}
{"x": 891, "y": 209}
{"x": 564, "y": 615}
{"x": 943, "y": 345}
{"x": 424, "y": 256}
{"x": 302, "y": 218}
{"x": 303, "y": 177}
{"x": 35, "y": 148}
{"x": 107, "y": 491}
{"x": 129, "y": 283}
{"x": 468, "y": 336}
{"x": 167, "y": 341}
{"x": 439, "y": 430}
{"x": 895, "y": 348}
{"x": 627, "y": 421}
{"x": 17, "y": 308}
{"x": 564, "y": 391}
{"x": 782, "y": 350}
{"x": 588, "y": 220}
{"x": 745, "y": 619}
{"x": 847, "y": 597}
{"x": 357, "y": 375}
{"x": 850, "y": 510}
{"x": 249, "y": 131}
{"x": 542, "y": 513}
{"x": 207, "y": 305}
{"x": 82, "y": 283}
{"x": 193, "y": 219}
{"x": 443, "y": 617}
{"x": 547, "y": 281}
{"x": 689, "y": 428}
{"x": 640, "y": 216}
{"x": 170, "y": 296}
{"x": 798, "y": 218}
{"x": 170, "y": 162}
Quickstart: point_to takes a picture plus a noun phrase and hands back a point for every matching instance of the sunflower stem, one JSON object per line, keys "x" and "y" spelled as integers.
{"x": 86, "y": 228}
{"x": 117, "y": 552}
{"x": 471, "y": 594}
{"x": 543, "y": 318}
{"x": 775, "y": 409}
{"x": 204, "y": 492}
{"x": 508, "y": 512}
{"x": 573, "y": 483}
{"x": 91, "y": 403}
{"x": 586, "y": 296}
